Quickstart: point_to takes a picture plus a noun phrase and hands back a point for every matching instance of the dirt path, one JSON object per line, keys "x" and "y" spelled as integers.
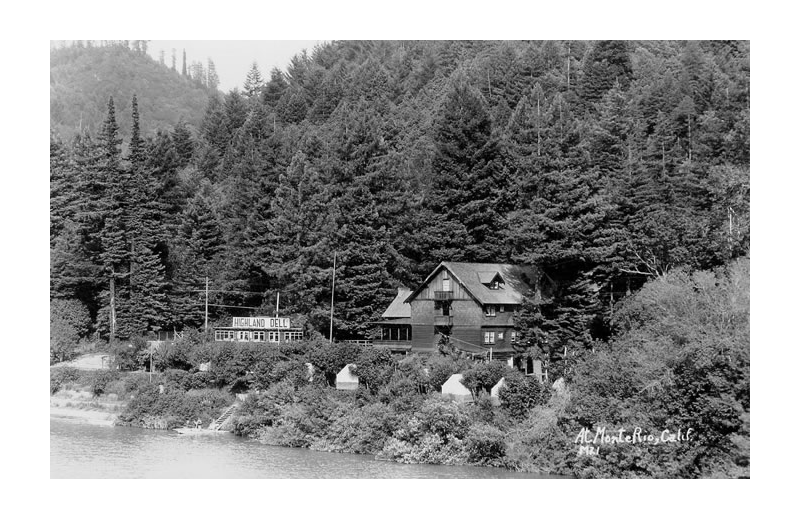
{"x": 97, "y": 361}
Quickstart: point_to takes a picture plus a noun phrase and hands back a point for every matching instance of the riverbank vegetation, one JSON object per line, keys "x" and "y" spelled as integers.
{"x": 679, "y": 360}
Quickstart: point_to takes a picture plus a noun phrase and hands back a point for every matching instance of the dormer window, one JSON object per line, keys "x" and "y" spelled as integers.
{"x": 491, "y": 280}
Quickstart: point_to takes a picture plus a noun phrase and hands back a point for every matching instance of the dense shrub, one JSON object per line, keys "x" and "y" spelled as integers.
{"x": 286, "y": 434}
{"x": 295, "y": 372}
{"x": 303, "y": 420}
{"x": 61, "y": 376}
{"x": 199, "y": 380}
{"x": 443, "y": 417}
{"x": 485, "y": 445}
{"x": 179, "y": 379}
{"x": 402, "y": 394}
{"x": 374, "y": 367}
{"x": 430, "y": 449}
{"x": 175, "y": 355}
{"x": 133, "y": 383}
{"x": 173, "y": 408}
{"x": 233, "y": 363}
{"x": 257, "y": 411}
{"x": 101, "y": 380}
{"x": 440, "y": 368}
{"x": 483, "y": 410}
{"x": 131, "y": 355}
{"x": 329, "y": 358}
{"x": 681, "y": 360}
{"x": 411, "y": 368}
{"x": 520, "y": 394}
{"x": 356, "y": 429}
{"x": 483, "y": 376}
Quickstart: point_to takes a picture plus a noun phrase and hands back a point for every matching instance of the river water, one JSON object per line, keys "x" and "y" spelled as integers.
{"x": 79, "y": 450}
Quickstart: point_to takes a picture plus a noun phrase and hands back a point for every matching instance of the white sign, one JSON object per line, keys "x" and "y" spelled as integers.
{"x": 261, "y": 322}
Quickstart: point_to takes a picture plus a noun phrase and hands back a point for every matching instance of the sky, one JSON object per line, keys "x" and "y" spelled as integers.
{"x": 232, "y": 58}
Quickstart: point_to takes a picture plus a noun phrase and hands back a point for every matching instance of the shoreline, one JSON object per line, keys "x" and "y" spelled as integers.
{"x": 79, "y": 406}
{"x": 94, "y": 417}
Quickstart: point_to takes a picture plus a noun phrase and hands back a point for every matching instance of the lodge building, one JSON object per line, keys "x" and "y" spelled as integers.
{"x": 259, "y": 329}
{"x": 473, "y": 304}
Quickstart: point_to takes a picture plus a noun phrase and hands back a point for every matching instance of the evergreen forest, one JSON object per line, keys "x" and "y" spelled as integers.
{"x": 608, "y": 163}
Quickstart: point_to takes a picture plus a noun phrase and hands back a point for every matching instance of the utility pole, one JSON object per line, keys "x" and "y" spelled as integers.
{"x": 277, "y": 309}
{"x": 205, "y": 330}
{"x": 113, "y": 310}
{"x": 333, "y": 288}
{"x": 612, "y": 305}
{"x": 569, "y": 51}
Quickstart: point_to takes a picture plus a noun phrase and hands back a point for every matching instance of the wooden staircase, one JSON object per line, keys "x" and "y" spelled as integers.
{"x": 220, "y": 421}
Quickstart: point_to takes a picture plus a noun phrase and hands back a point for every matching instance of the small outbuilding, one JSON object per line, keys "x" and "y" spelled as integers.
{"x": 495, "y": 394}
{"x": 560, "y": 386}
{"x": 346, "y": 380}
{"x": 455, "y": 390}
{"x": 533, "y": 367}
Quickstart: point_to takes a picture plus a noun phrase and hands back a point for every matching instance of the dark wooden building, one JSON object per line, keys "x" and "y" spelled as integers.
{"x": 472, "y": 304}
{"x": 395, "y": 324}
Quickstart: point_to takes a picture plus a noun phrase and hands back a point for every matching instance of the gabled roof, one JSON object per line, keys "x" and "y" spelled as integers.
{"x": 474, "y": 276}
{"x": 399, "y": 308}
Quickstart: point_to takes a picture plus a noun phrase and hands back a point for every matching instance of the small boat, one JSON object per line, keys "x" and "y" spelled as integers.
{"x": 198, "y": 431}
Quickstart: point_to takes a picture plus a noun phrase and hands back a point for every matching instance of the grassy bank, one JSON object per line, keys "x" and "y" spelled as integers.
{"x": 131, "y": 399}
{"x": 80, "y": 405}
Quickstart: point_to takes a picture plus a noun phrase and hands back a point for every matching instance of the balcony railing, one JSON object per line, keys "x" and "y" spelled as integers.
{"x": 442, "y": 295}
{"x": 443, "y": 321}
{"x": 359, "y": 342}
{"x": 393, "y": 344}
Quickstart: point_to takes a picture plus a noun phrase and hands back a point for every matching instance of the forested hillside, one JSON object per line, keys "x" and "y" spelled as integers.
{"x": 84, "y": 75}
{"x": 608, "y": 163}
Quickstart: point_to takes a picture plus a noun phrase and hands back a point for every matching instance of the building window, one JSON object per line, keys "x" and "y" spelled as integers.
{"x": 488, "y": 338}
{"x": 292, "y": 336}
{"x": 502, "y": 308}
{"x": 500, "y": 336}
{"x": 258, "y": 335}
{"x": 513, "y": 335}
{"x": 274, "y": 336}
{"x": 489, "y": 310}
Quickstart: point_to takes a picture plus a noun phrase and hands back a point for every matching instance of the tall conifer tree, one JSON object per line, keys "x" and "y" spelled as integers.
{"x": 470, "y": 185}
{"x": 253, "y": 84}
